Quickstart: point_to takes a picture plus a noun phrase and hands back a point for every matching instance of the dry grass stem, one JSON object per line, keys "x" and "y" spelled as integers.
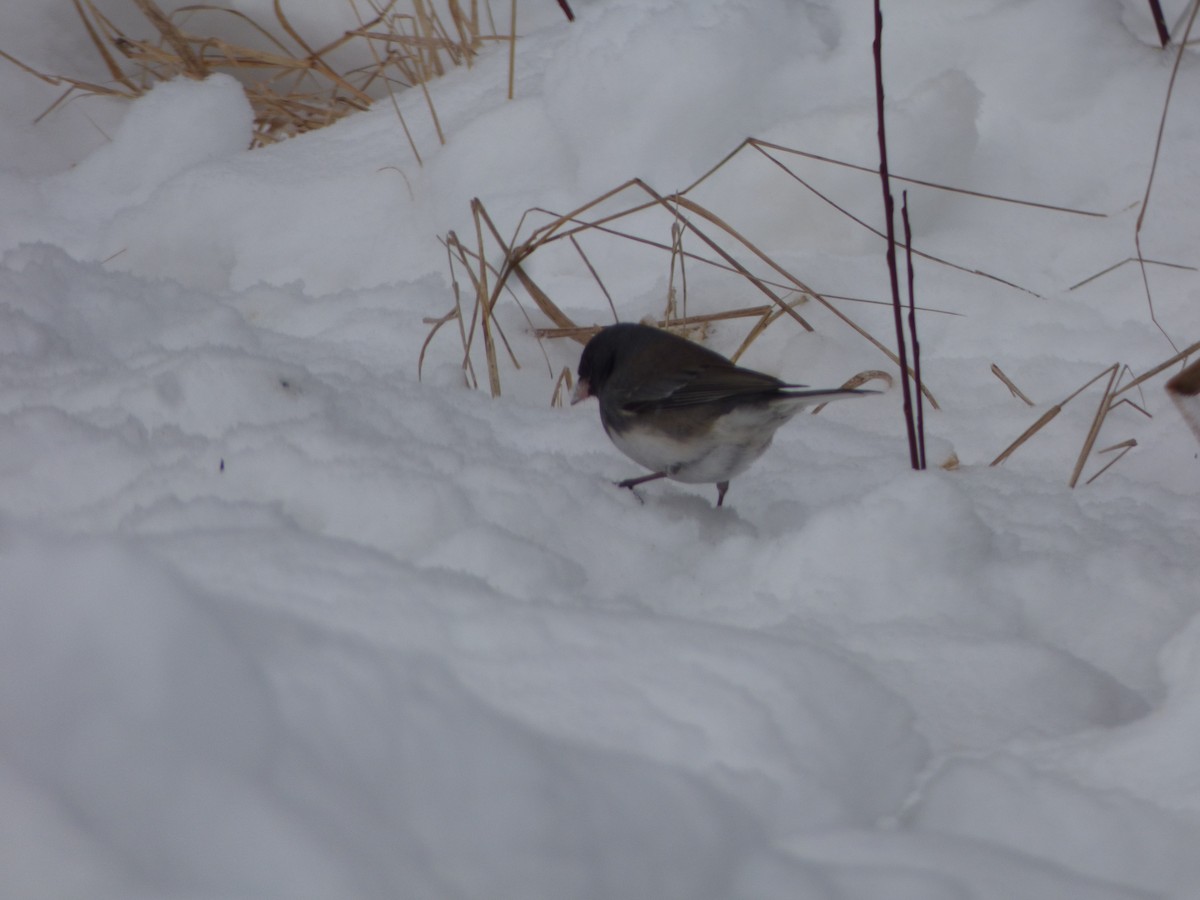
{"x": 1124, "y": 447}
{"x": 883, "y": 236}
{"x": 1098, "y": 421}
{"x": 763, "y": 146}
{"x": 1045, "y": 419}
{"x": 1144, "y": 262}
{"x": 678, "y": 260}
{"x": 564, "y": 386}
{"x": 596, "y": 275}
{"x": 1050, "y": 414}
{"x": 1165, "y": 364}
{"x": 1013, "y": 389}
{"x": 1162, "y": 124}
{"x": 769, "y": 316}
{"x": 858, "y": 381}
{"x": 581, "y": 333}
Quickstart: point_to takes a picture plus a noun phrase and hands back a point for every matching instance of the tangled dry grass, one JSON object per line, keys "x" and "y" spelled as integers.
{"x": 293, "y": 86}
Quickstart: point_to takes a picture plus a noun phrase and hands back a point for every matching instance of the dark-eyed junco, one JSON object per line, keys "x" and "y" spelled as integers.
{"x": 683, "y": 411}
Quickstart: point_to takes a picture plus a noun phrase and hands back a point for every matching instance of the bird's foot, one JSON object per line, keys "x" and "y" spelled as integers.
{"x": 631, "y": 483}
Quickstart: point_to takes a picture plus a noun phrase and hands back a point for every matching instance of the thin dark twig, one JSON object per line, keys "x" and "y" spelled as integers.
{"x": 889, "y": 205}
{"x": 1162, "y": 124}
{"x": 983, "y": 195}
{"x": 1164, "y": 35}
{"x": 596, "y": 275}
{"x": 849, "y": 215}
{"x": 912, "y": 328}
{"x": 658, "y": 245}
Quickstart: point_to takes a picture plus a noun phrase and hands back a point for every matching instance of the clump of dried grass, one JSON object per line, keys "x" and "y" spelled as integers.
{"x": 292, "y": 86}
{"x": 693, "y": 235}
{"x": 1112, "y": 397}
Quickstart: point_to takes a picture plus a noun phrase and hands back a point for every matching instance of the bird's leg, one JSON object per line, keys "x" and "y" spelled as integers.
{"x": 722, "y": 487}
{"x": 631, "y": 483}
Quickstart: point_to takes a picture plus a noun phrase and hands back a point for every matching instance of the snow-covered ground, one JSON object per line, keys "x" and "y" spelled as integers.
{"x": 277, "y": 619}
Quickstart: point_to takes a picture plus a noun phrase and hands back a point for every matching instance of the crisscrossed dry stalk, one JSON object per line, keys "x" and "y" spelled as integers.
{"x": 693, "y": 235}
{"x": 1110, "y": 400}
{"x": 292, "y": 86}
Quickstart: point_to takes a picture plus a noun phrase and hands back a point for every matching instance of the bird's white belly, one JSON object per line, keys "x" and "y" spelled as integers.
{"x": 735, "y": 441}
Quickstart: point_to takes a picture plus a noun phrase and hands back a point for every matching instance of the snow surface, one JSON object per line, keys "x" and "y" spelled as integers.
{"x": 279, "y": 619}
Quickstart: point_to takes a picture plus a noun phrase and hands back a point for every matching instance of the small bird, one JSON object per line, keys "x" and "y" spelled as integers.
{"x": 683, "y": 411}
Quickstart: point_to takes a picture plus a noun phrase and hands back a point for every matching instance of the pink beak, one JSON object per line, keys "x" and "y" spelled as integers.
{"x": 582, "y": 391}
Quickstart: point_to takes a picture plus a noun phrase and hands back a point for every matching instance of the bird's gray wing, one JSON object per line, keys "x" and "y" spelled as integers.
{"x": 700, "y": 385}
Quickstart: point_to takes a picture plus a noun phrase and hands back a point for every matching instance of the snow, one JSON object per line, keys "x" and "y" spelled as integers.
{"x": 280, "y": 619}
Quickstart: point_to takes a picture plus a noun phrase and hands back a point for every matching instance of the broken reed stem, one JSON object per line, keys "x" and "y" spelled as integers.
{"x": 1094, "y": 431}
{"x": 1012, "y": 388}
{"x": 1049, "y": 415}
{"x": 1043, "y": 420}
{"x": 889, "y": 214}
{"x": 1124, "y": 447}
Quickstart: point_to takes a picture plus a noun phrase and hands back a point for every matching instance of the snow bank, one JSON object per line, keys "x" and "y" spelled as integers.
{"x": 277, "y": 618}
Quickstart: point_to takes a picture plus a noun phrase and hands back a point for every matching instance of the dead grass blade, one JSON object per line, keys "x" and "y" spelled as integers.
{"x": 933, "y": 185}
{"x": 114, "y": 69}
{"x": 1162, "y": 124}
{"x": 883, "y": 236}
{"x": 1165, "y": 364}
{"x": 685, "y": 216}
{"x": 1124, "y": 447}
{"x": 1049, "y": 415}
{"x": 771, "y": 314}
{"x": 190, "y": 62}
{"x": 596, "y": 275}
{"x": 581, "y": 333}
{"x": 1143, "y": 262}
{"x": 1012, "y": 388}
{"x": 678, "y": 260}
{"x": 1097, "y": 422}
{"x": 858, "y": 381}
{"x": 564, "y": 386}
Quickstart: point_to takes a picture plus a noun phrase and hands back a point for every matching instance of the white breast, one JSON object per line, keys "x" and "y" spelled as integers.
{"x": 735, "y": 441}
